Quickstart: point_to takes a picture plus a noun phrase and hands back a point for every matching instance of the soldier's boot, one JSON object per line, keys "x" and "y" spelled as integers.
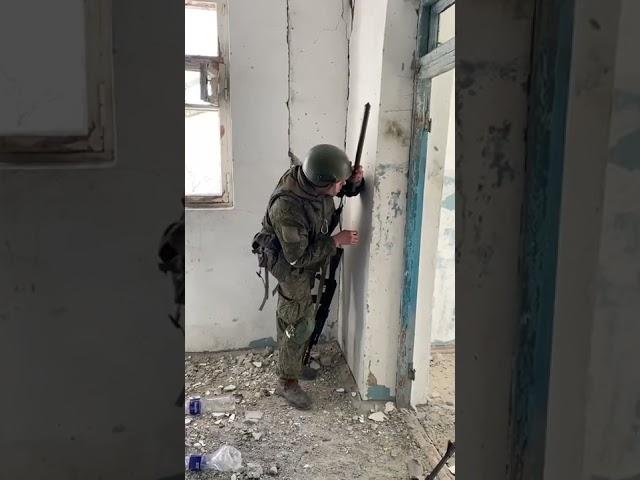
{"x": 291, "y": 391}
{"x": 309, "y": 373}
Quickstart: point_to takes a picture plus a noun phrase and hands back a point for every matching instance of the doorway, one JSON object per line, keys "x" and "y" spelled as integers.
{"x": 428, "y": 312}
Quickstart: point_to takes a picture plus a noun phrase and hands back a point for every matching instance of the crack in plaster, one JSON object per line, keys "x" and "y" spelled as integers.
{"x": 288, "y": 103}
{"x": 347, "y": 33}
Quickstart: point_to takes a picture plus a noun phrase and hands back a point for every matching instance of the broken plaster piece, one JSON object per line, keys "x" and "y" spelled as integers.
{"x": 378, "y": 417}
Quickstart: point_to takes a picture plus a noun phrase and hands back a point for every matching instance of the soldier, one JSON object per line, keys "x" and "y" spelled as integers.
{"x": 301, "y": 215}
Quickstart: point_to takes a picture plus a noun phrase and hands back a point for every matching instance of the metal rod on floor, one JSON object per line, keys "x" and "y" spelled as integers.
{"x": 451, "y": 447}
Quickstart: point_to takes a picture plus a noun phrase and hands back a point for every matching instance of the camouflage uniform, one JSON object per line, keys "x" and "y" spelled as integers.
{"x": 300, "y": 218}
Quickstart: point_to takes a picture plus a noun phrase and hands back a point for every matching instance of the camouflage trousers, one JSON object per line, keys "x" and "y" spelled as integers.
{"x": 295, "y": 321}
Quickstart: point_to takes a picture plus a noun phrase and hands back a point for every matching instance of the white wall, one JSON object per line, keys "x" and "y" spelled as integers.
{"x": 318, "y": 40}
{"x": 443, "y": 326}
{"x": 612, "y": 447}
{"x": 365, "y": 66}
{"x": 584, "y": 172}
{"x": 497, "y": 66}
{"x": 381, "y": 51}
{"x": 56, "y": 276}
{"x": 223, "y": 292}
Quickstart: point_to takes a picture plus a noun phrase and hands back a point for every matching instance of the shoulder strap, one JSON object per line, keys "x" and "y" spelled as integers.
{"x": 280, "y": 194}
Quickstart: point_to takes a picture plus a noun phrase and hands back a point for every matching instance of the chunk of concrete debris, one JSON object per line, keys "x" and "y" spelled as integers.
{"x": 257, "y": 435}
{"x": 187, "y": 421}
{"x": 326, "y": 360}
{"x": 257, "y": 364}
{"x": 339, "y": 390}
{"x": 314, "y": 365}
{"x": 353, "y": 394}
{"x": 273, "y": 471}
{"x": 229, "y": 388}
{"x": 416, "y": 471}
{"x": 315, "y": 355}
{"x": 378, "y": 417}
{"x": 234, "y": 477}
{"x": 232, "y": 417}
{"x": 253, "y": 416}
{"x": 389, "y": 407}
{"x": 254, "y": 470}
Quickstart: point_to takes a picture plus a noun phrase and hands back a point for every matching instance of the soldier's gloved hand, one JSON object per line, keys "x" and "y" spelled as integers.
{"x": 357, "y": 176}
{"x": 346, "y": 237}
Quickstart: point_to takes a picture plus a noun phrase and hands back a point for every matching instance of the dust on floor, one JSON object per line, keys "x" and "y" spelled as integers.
{"x": 335, "y": 440}
{"x": 438, "y": 417}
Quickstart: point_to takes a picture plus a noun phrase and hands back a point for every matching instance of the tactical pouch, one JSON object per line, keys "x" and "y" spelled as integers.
{"x": 269, "y": 252}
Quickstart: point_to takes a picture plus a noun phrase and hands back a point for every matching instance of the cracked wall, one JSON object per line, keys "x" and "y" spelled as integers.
{"x": 318, "y": 84}
{"x": 288, "y": 70}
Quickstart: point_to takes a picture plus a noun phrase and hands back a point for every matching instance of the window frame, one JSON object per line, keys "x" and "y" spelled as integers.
{"x": 97, "y": 147}
{"x": 218, "y": 68}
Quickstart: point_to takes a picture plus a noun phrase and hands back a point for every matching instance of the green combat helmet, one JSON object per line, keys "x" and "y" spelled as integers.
{"x": 326, "y": 164}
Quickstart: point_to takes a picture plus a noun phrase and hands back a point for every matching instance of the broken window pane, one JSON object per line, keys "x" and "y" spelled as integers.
{"x": 200, "y": 32}
{"x": 203, "y": 167}
{"x": 192, "y": 88}
{"x": 447, "y": 25}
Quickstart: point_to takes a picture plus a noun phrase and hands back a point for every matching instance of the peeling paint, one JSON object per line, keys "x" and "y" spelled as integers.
{"x": 494, "y": 148}
{"x": 371, "y": 378}
{"x": 394, "y": 204}
{"x": 379, "y": 393}
{"x": 449, "y": 203}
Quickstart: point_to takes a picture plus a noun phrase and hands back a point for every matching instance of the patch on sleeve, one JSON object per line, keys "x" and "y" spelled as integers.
{"x": 290, "y": 234}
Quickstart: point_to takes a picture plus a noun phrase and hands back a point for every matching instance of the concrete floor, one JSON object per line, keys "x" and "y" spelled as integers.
{"x": 335, "y": 440}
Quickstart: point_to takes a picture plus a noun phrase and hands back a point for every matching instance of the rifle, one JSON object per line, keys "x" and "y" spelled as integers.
{"x": 331, "y": 284}
{"x": 451, "y": 448}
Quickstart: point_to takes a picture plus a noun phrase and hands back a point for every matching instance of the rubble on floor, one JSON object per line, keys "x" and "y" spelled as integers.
{"x": 334, "y": 440}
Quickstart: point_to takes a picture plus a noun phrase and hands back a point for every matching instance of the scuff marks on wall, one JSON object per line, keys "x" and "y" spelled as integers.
{"x": 394, "y": 204}
{"x": 396, "y": 131}
{"x": 495, "y": 145}
{"x": 384, "y": 229}
{"x": 472, "y": 75}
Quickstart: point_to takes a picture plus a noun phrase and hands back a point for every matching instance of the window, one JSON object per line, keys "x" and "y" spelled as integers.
{"x": 56, "y": 89}
{"x": 206, "y": 99}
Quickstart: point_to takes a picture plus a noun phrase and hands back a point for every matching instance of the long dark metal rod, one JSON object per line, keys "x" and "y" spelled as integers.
{"x": 363, "y": 131}
{"x": 451, "y": 447}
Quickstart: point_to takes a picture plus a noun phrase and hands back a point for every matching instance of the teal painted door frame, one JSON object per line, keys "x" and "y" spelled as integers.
{"x": 431, "y": 60}
{"x": 548, "y": 105}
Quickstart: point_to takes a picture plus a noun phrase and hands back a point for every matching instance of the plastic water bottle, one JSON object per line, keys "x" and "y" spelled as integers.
{"x": 225, "y": 459}
{"x": 198, "y": 406}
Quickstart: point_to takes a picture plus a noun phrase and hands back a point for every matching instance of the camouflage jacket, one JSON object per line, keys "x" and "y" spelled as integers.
{"x": 301, "y": 220}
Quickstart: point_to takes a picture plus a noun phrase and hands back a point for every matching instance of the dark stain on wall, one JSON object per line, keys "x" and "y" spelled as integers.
{"x": 397, "y": 132}
{"x": 497, "y": 139}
